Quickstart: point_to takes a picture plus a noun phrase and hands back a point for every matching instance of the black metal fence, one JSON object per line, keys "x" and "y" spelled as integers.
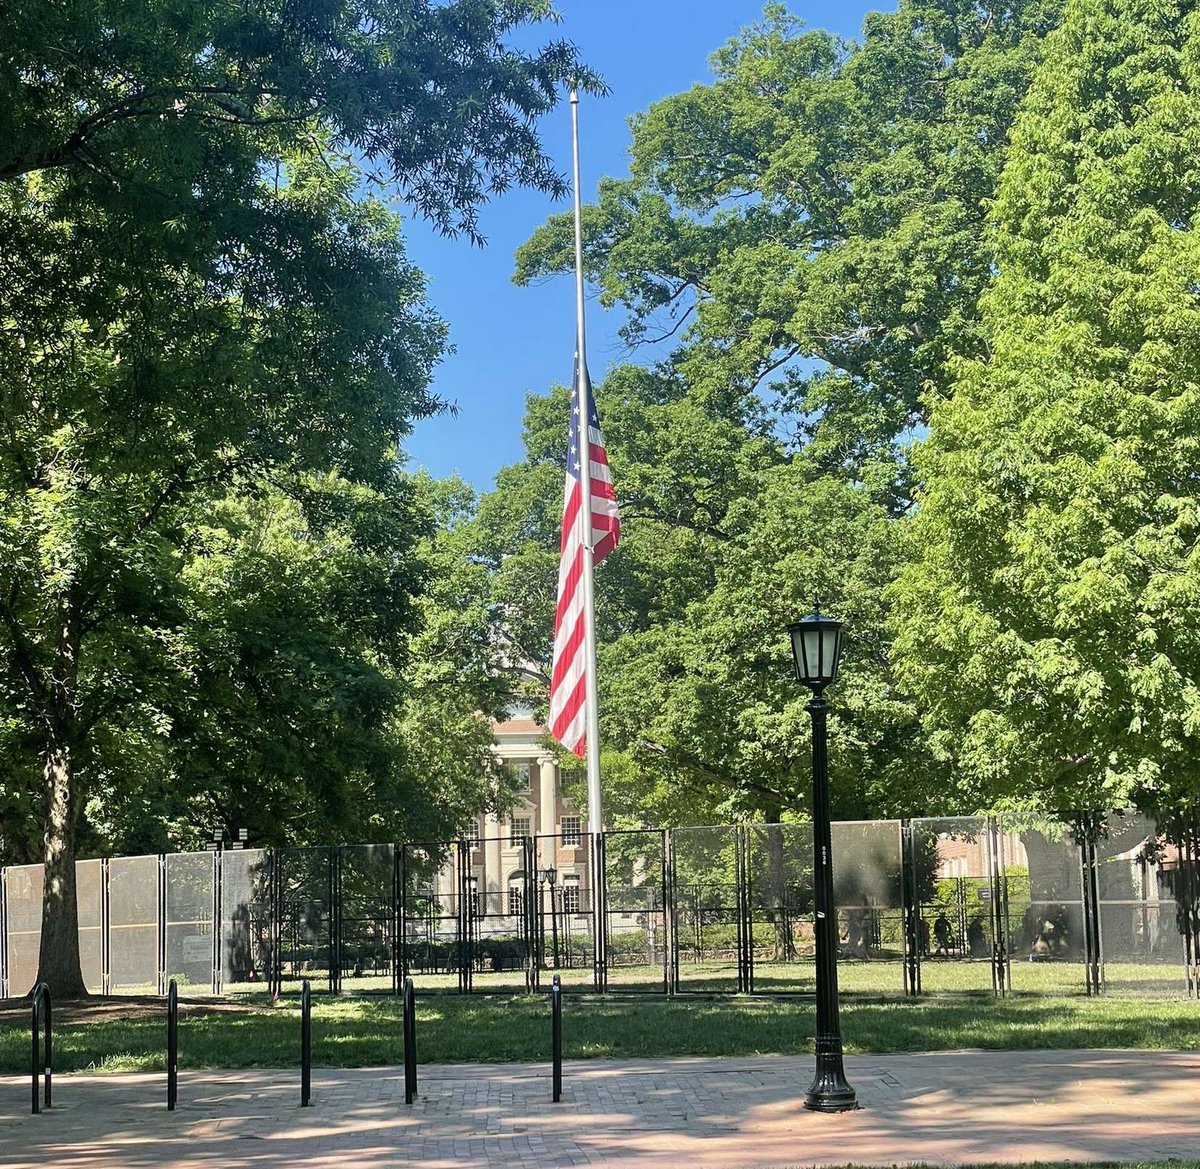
{"x": 1003, "y": 904}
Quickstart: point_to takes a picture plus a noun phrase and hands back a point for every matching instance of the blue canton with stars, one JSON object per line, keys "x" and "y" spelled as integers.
{"x": 593, "y": 418}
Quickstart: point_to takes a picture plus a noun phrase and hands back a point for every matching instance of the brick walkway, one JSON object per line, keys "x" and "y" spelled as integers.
{"x": 648, "y": 1114}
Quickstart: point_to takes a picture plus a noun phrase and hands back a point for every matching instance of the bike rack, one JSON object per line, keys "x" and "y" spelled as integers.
{"x": 172, "y": 1045}
{"x": 556, "y": 1035}
{"x": 410, "y": 1041}
{"x": 42, "y": 1014}
{"x": 305, "y": 1044}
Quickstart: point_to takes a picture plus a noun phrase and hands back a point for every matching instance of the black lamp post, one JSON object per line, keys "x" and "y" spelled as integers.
{"x": 549, "y": 876}
{"x": 816, "y": 648}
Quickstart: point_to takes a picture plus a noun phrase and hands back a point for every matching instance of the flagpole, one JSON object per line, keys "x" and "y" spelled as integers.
{"x": 595, "y": 810}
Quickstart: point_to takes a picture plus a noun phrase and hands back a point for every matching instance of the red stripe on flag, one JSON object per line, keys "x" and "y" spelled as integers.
{"x": 568, "y": 675}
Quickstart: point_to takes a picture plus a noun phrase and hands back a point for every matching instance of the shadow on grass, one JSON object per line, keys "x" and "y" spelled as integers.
{"x": 362, "y": 1032}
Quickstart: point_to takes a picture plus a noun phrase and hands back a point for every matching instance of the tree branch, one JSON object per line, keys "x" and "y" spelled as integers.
{"x": 235, "y": 103}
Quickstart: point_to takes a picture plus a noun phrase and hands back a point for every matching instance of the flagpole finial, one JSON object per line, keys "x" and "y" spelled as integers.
{"x": 574, "y": 96}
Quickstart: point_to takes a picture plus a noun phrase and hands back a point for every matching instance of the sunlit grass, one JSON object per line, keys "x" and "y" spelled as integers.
{"x": 361, "y": 1032}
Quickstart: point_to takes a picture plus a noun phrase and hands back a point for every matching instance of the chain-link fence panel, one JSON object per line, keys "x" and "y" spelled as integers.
{"x": 367, "y": 917}
{"x": 1044, "y": 906}
{"x": 957, "y": 878}
{"x": 707, "y": 909}
{"x": 306, "y": 909}
{"x": 499, "y": 884}
{"x": 636, "y": 912}
{"x": 89, "y": 891}
{"x": 245, "y": 920}
{"x": 563, "y": 918}
{"x": 435, "y": 901}
{"x": 133, "y": 940}
{"x": 779, "y": 875}
{"x": 1143, "y": 886}
{"x": 190, "y": 925}
{"x": 23, "y": 891}
{"x": 868, "y": 882}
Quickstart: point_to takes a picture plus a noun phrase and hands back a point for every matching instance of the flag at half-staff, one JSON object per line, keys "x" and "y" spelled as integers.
{"x": 591, "y": 528}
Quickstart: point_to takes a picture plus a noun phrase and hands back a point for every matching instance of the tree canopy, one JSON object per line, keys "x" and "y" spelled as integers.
{"x": 811, "y": 222}
{"x": 211, "y": 345}
{"x": 800, "y": 247}
{"x": 1050, "y": 604}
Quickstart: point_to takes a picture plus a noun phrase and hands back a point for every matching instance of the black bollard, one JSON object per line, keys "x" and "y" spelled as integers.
{"x": 556, "y": 1035}
{"x": 410, "y": 1042}
{"x": 172, "y": 1045}
{"x": 305, "y": 1044}
{"x": 43, "y": 1015}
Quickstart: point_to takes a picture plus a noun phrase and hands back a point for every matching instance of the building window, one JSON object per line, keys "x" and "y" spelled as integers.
{"x": 516, "y": 898}
{"x": 471, "y": 834}
{"x": 518, "y": 829}
{"x": 572, "y": 831}
{"x": 570, "y": 895}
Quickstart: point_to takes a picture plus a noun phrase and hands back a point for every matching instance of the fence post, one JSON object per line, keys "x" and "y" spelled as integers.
{"x": 556, "y": 1035}
{"x": 43, "y": 1014}
{"x": 911, "y": 901}
{"x": 402, "y": 925}
{"x": 745, "y": 915}
{"x": 274, "y": 960}
{"x": 999, "y": 900}
{"x": 672, "y": 900}
{"x": 3, "y": 933}
{"x": 172, "y": 1045}
{"x": 599, "y": 909}
{"x": 105, "y": 931}
{"x": 305, "y": 1043}
{"x": 397, "y": 914}
{"x": 161, "y": 907}
{"x": 332, "y": 873}
{"x": 410, "y": 1041}
{"x": 216, "y": 904}
{"x": 1086, "y": 828}
{"x": 664, "y": 885}
{"x": 529, "y": 914}
{"x": 1186, "y": 838}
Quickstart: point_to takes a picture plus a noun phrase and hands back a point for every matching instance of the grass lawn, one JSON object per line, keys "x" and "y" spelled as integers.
{"x": 880, "y": 977}
{"x": 124, "y": 1035}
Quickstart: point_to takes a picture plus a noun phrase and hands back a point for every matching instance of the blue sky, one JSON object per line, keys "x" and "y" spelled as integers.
{"x": 509, "y": 341}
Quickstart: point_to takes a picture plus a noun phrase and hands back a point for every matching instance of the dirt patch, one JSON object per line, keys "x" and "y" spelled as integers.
{"x": 123, "y": 1008}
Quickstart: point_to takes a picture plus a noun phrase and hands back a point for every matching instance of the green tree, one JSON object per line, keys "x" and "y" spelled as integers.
{"x": 706, "y": 707}
{"x": 197, "y": 302}
{"x": 724, "y": 540}
{"x": 1050, "y": 612}
{"x": 811, "y": 222}
{"x": 805, "y": 237}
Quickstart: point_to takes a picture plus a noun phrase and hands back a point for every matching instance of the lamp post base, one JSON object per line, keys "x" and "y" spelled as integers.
{"x": 829, "y": 1091}
{"x": 826, "y": 1097}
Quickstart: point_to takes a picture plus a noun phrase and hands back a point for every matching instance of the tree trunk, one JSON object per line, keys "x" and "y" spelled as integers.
{"x": 58, "y": 960}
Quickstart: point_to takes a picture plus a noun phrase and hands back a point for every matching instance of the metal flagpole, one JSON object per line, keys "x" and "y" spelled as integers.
{"x": 595, "y": 810}
{"x": 595, "y": 817}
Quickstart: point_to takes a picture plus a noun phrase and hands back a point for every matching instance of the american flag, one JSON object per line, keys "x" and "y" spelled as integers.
{"x": 568, "y": 680}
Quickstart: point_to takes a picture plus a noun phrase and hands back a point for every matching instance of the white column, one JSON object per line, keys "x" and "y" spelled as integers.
{"x": 547, "y": 798}
{"x": 493, "y": 868}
